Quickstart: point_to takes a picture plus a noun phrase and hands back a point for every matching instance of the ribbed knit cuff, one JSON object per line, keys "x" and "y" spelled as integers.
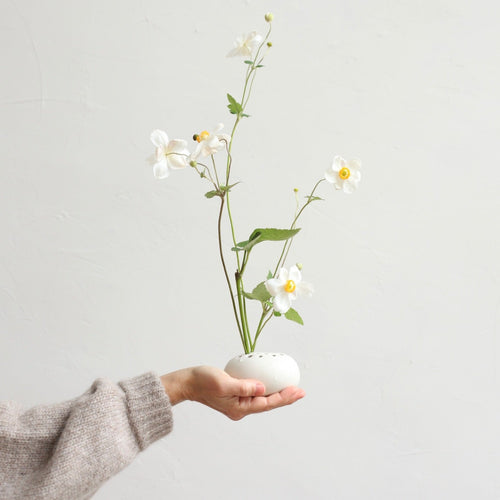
{"x": 149, "y": 408}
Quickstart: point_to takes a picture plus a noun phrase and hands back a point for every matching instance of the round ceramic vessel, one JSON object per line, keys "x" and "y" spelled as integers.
{"x": 274, "y": 369}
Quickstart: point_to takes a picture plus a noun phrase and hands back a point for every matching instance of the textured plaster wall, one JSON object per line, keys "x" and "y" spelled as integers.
{"x": 105, "y": 271}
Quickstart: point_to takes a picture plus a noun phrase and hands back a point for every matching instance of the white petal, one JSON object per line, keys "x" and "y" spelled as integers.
{"x": 274, "y": 286}
{"x": 152, "y": 159}
{"x": 354, "y": 164}
{"x": 176, "y": 145}
{"x": 218, "y": 128}
{"x": 159, "y": 138}
{"x": 161, "y": 170}
{"x": 338, "y": 183}
{"x": 282, "y": 302}
{"x": 224, "y": 137}
{"x": 338, "y": 163}
{"x": 304, "y": 289}
{"x": 196, "y": 153}
{"x": 349, "y": 186}
{"x": 176, "y": 160}
{"x": 355, "y": 176}
{"x": 283, "y": 275}
{"x": 331, "y": 175}
{"x": 253, "y": 40}
{"x": 295, "y": 275}
{"x": 177, "y": 153}
{"x": 237, "y": 51}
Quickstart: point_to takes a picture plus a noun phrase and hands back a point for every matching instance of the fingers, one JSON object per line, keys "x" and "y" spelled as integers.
{"x": 285, "y": 397}
{"x": 259, "y": 404}
{"x": 247, "y": 388}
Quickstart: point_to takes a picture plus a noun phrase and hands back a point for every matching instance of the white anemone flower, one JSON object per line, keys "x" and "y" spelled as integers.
{"x": 169, "y": 155}
{"x": 244, "y": 45}
{"x": 210, "y": 142}
{"x": 343, "y": 174}
{"x": 286, "y": 288}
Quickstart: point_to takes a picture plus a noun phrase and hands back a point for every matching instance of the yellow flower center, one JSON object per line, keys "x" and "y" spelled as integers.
{"x": 344, "y": 173}
{"x": 290, "y": 286}
{"x": 203, "y": 135}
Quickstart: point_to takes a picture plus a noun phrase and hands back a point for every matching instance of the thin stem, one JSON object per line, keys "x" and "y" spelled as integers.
{"x": 288, "y": 243}
{"x": 215, "y": 170}
{"x": 219, "y": 233}
{"x": 243, "y": 327}
{"x": 202, "y": 174}
{"x": 261, "y": 326}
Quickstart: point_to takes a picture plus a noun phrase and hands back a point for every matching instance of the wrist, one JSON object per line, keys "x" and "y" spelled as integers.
{"x": 176, "y": 385}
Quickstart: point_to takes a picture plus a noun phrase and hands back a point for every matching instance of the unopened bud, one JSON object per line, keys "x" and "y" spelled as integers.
{"x": 269, "y": 44}
{"x": 193, "y": 163}
{"x": 269, "y": 17}
{"x": 299, "y": 266}
{"x": 295, "y": 190}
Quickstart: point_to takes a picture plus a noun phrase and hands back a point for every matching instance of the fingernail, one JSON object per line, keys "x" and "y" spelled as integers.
{"x": 260, "y": 387}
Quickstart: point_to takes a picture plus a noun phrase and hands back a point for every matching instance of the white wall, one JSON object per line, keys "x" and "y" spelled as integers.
{"x": 105, "y": 271}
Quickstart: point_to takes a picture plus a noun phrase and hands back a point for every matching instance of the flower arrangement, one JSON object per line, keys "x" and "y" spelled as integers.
{"x": 283, "y": 286}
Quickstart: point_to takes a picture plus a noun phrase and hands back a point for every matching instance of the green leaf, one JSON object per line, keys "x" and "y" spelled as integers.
{"x": 234, "y": 106}
{"x": 266, "y": 234}
{"x": 227, "y": 188}
{"x": 211, "y": 194}
{"x": 244, "y": 115}
{"x": 259, "y": 293}
{"x": 248, "y": 62}
{"x": 259, "y": 66}
{"x": 293, "y": 315}
{"x": 313, "y": 198}
{"x": 239, "y": 246}
{"x": 277, "y": 314}
{"x": 269, "y": 275}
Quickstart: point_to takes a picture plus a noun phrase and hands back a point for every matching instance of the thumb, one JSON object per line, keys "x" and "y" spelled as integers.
{"x": 248, "y": 388}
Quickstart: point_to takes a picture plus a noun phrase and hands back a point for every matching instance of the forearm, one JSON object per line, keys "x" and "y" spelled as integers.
{"x": 69, "y": 449}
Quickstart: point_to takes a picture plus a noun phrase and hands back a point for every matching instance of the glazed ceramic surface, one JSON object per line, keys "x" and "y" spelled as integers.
{"x": 275, "y": 370}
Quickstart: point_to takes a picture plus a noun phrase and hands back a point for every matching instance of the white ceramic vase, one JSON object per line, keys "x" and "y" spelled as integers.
{"x": 274, "y": 369}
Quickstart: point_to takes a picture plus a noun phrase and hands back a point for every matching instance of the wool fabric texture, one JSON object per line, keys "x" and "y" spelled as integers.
{"x": 68, "y": 450}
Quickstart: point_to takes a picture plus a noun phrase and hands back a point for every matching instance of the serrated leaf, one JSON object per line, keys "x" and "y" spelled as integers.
{"x": 234, "y": 106}
{"x": 211, "y": 194}
{"x": 293, "y": 315}
{"x": 259, "y": 293}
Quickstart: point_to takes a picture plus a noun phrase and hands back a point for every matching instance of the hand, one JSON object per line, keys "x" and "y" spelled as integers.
{"x": 233, "y": 397}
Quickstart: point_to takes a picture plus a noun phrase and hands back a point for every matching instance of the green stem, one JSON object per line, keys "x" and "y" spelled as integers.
{"x": 219, "y": 233}
{"x": 288, "y": 243}
{"x": 215, "y": 170}
{"x": 243, "y": 326}
{"x": 261, "y": 326}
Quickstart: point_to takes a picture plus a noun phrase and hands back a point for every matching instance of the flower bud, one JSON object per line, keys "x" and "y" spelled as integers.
{"x": 269, "y": 17}
{"x": 196, "y": 138}
{"x": 295, "y": 190}
{"x": 269, "y": 44}
{"x": 299, "y": 266}
{"x": 193, "y": 163}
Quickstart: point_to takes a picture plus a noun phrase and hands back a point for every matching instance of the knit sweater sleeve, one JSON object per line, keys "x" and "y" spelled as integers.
{"x": 67, "y": 450}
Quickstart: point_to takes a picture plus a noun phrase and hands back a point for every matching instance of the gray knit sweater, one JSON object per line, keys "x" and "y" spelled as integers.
{"x": 67, "y": 450}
